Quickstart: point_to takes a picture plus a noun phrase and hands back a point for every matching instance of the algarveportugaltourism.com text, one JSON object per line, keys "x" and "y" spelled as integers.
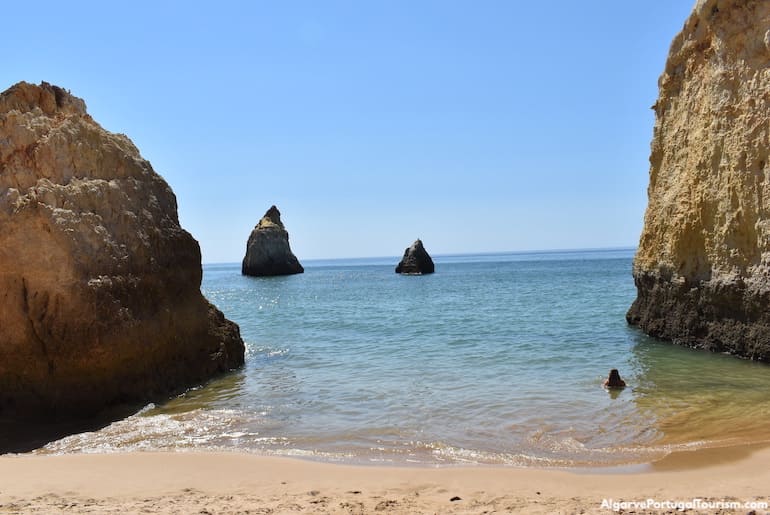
{"x": 693, "y": 504}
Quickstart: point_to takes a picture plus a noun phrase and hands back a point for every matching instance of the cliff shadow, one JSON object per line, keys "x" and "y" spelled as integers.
{"x": 695, "y": 398}
{"x": 25, "y": 433}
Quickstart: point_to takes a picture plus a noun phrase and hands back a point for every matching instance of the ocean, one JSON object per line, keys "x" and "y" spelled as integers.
{"x": 494, "y": 359}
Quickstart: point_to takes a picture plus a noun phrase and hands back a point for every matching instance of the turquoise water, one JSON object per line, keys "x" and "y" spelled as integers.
{"x": 494, "y": 359}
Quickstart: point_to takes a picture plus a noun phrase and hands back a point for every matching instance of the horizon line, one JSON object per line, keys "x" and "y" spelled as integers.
{"x": 457, "y": 254}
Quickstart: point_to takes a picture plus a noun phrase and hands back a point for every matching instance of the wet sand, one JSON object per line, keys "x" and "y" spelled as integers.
{"x": 242, "y": 483}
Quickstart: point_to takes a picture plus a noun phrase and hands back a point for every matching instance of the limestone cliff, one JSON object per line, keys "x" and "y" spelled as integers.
{"x": 268, "y": 251}
{"x": 100, "y": 298}
{"x": 702, "y": 269}
{"x": 416, "y": 260}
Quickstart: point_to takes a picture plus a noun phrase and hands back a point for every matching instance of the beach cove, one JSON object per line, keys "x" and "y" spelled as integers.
{"x": 495, "y": 360}
{"x": 144, "y": 370}
{"x": 361, "y": 388}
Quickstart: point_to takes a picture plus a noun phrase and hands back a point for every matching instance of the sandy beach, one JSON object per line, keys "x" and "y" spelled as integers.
{"x": 217, "y": 483}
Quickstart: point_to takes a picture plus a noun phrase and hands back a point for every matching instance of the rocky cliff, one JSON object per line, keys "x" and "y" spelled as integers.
{"x": 268, "y": 251}
{"x": 100, "y": 298}
{"x": 702, "y": 269}
{"x": 416, "y": 260}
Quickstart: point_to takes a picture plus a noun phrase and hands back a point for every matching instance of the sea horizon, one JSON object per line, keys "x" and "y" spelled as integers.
{"x": 439, "y": 256}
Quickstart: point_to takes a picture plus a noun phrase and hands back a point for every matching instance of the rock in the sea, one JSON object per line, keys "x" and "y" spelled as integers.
{"x": 702, "y": 269}
{"x": 267, "y": 251}
{"x": 416, "y": 261}
{"x": 100, "y": 300}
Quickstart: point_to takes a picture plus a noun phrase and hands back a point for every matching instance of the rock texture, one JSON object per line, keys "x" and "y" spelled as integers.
{"x": 268, "y": 251}
{"x": 100, "y": 300}
{"x": 702, "y": 269}
{"x": 416, "y": 261}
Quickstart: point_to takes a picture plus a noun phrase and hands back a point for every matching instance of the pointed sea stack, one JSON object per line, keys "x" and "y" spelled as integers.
{"x": 416, "y": 261}
{"x": 100, "y": 300}
{"x": 702, "y": 269}
{"x": 267, "y": 251}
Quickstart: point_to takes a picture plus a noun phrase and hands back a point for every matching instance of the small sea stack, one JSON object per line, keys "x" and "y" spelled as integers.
{"x": 267, "y": 251}
{"x": 416, "y": 261}
{"x": 702, "y": 269}
{"x": 100, "y": 300}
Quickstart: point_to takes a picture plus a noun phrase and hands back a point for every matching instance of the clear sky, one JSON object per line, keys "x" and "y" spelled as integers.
{"x": 477, "y": 125}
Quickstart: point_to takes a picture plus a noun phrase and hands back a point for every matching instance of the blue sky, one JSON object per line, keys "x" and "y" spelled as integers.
{"x": 476, "y": 126}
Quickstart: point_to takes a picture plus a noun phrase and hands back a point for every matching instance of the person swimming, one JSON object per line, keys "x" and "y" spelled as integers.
{"x": 614, "y": 380}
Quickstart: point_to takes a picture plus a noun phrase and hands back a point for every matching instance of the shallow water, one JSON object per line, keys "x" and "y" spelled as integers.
{"x": 495, "y": 359}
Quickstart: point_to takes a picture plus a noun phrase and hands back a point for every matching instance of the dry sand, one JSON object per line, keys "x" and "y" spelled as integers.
{"x": 214, "y": 483}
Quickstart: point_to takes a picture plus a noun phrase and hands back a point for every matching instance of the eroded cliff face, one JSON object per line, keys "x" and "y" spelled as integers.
{"x": 702, "y": 269}
{"x": 100, "y": 297}
{"x": 267, "y": 251}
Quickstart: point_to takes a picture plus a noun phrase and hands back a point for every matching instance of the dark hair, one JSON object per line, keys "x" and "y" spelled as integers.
{"x": 614, "y": 379}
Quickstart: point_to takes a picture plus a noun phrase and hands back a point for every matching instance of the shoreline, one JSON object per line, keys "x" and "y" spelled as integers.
{"x": 195, "y": 482}
{"x": 677, "y": 460}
